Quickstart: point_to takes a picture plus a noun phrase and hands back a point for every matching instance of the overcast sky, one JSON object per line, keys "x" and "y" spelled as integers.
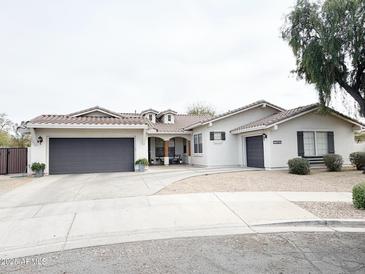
{"x": 63, "y": 56}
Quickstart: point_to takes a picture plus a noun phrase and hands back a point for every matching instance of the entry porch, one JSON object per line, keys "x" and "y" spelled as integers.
{"x": 169, "y": 150}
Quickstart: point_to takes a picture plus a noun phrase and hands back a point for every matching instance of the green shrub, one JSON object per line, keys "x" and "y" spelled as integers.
{"x": 357, "y": 159}
{"x": 333, "y": 162}
{"x": 299, "y": 166}
{"x": 36, "y": 166}
{"x": 358, "y": 195}
{"x": 142, "y": 161}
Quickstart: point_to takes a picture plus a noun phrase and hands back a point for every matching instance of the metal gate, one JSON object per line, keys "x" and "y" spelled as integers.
{"x": 13, "y": 160}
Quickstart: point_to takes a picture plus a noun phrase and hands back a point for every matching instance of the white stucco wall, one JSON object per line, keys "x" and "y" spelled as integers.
{"x": 40, "y": 152}
{"x": 179, "y": 146}
{"x": 228, "y": 152}
{"x": 279, "y": 154}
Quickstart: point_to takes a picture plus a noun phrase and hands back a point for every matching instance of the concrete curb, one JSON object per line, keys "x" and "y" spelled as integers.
{"x": 353, "y": 223}
{"x": 324, "y": 225}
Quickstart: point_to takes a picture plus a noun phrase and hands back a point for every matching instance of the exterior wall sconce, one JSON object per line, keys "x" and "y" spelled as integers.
{"x": 264, "y": 135}
{"x": 40, "y": 140}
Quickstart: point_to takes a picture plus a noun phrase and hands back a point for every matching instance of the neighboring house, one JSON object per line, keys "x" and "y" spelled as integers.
{"x": 257, "y": 135}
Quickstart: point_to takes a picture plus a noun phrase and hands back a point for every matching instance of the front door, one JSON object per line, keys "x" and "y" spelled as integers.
{"x": 255, "y": 151}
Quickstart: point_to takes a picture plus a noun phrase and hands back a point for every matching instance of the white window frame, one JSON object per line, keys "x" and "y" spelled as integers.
{"x": 315, "y": 142}
{"x": 201, "y": 139}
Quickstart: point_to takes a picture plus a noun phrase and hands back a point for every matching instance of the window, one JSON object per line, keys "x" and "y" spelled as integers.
{"x": 150, "y": 117}
{"x": 217, "y": 135}
{"x": 315, "y": 143}
{"x": 169, "y": 118}
{"x": 309, "y": 144}
{"x": 322, "y": 143}
{"x": 198, "y": 143}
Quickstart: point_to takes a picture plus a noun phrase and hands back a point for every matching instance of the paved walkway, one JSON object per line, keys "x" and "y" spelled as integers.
{"x": 35, "y": 229}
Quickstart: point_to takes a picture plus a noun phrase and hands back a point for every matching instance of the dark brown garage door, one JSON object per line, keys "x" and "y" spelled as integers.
{"x": 255, "y": 151}
{"x": 88, "y": 155}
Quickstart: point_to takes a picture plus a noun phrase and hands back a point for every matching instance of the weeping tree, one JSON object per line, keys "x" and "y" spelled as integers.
{"x": 328, "y": 41}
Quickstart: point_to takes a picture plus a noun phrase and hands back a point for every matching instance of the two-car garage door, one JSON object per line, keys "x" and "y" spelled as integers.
{"x": 88, "y": 155}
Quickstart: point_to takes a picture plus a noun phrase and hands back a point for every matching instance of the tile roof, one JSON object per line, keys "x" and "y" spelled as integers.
{"x": 95, "y": 108}
{"x": 87, "y": 120}
{"x": 149, "y": 111}
{"x": 181, "y": 121}
{"x": 254, "y": 104}
{"x": 284, "y": 115}
{"x": 167, "y": 111}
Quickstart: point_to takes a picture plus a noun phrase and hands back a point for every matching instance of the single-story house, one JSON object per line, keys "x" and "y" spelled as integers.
{"x": 260, "y": 134}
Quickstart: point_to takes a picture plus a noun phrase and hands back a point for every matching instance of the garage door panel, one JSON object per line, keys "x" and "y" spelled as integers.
{"x": 255, "y": 151}
{"x": 85, "y": 155}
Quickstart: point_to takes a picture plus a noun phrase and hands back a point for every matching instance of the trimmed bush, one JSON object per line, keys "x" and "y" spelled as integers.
{"x": 142, "y": 161}
{"x": 357, "y": 159}
{"x": 36, "y": 166}
{"x": 358, "y": 195}
{"x": 299, "y": 166}
{"x": 333, "y": 162}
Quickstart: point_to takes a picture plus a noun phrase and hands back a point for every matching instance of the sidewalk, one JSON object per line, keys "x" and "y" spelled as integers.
{"x": 53, "y": 227}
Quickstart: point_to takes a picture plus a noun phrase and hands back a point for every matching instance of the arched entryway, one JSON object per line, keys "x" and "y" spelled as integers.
{"x": 168, "y": 151}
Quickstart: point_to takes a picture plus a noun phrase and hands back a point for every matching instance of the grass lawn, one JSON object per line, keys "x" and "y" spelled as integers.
{"x": 279, "y": 180}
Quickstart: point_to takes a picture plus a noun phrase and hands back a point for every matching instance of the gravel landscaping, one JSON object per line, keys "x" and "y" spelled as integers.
{"x": 333, "y": 210}
{"x": 278, "y": 180}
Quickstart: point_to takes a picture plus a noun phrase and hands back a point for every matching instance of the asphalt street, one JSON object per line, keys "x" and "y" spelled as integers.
{"x": 314, "y": 252}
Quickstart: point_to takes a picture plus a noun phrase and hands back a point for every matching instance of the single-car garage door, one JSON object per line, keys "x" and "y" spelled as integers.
{"x": 255, "y": 151}
{"x": 87, "y": 155}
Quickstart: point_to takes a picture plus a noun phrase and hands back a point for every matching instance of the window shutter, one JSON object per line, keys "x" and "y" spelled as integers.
{"x": 211, "y": 135}
{"x": 300, "y": 143}
{"x": 331, "y": 142}
{"x": 223, "y": 135}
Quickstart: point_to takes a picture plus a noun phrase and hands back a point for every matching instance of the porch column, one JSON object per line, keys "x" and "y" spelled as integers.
{"x": 188, "y": 148}
{"x": 166, "y": 153}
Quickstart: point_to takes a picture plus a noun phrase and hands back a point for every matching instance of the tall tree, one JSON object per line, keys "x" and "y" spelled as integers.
{"x": 5, "y": 139}
{"x": 201, "y": 109}
{"x": 9, "y": 134}
{"x": 5, "y": 123}
{"x": 328, "y": 41}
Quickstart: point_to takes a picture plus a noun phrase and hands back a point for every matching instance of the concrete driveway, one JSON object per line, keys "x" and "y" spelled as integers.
{"x": 69, "y": 211}
{"x": 68, "y": 188}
